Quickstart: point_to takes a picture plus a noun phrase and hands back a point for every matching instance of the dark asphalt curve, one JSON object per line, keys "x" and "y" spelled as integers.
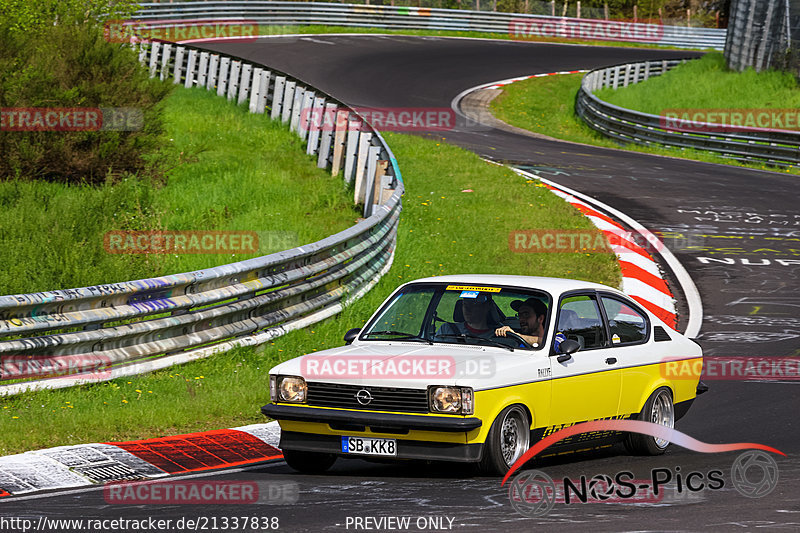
{"x": 734, "y": 231}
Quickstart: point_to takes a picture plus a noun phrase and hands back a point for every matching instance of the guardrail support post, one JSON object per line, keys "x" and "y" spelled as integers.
{"x": 369, "y": 179}
{"x": 190, "y": 68}
{"x": 315, "y": 119}
{"x": 277, "y": 97}
{"x": 328, "y": 124}
{"x": 213, "y": 62}
{"x": 288, "y": 97}
{"x": 260, "y": 88}
{"x": 244, "y": 87}
{"x": 233, "y": 80}
{"x": 178, "y": 69}
{"x": 297, "y": 105}
{"x": 202, "y": 69}
{"x": 304, "y": 114}
{"x": 222, "y": 80}
{"x": 165, "y": 55}
{"x": 354, "y": 125}
{"x": 342, "y": 123}
{"x": 361, "y": 163}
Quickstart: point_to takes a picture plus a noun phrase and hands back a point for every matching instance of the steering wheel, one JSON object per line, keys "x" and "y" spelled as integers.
{"x": 517, "y": 336}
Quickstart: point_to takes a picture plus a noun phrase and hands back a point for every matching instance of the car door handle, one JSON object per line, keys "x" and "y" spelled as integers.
{"x": 611, "y": 360}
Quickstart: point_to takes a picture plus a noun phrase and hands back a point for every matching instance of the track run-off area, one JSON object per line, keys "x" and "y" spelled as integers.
{"x": 737, "y": 225}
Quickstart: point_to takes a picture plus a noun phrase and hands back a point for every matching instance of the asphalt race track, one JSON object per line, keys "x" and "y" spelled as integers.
{"x": 739, "y": 230}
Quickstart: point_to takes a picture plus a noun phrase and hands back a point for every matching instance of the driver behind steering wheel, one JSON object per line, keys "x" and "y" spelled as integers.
{"x": 531, "y": 313}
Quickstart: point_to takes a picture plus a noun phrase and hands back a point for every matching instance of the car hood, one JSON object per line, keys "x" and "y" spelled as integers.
{"x": 418, "y": 366}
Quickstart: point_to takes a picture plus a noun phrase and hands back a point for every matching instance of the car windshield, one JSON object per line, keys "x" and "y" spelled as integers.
{"x": 507, "y": 317}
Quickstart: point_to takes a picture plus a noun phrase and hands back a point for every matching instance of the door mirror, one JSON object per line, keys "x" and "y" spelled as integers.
{"x": 567, "y": 348}
{"x": 351, "y": 335}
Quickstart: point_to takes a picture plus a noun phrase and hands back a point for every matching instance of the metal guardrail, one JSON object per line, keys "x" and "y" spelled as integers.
{"x": 131, "y": 327}
{"x": 418, "y": 18}
{"x": 775, "y": 147}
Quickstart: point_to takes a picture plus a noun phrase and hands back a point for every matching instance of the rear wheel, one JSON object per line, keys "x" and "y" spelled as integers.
{"x": 508, "y": 439}
{"x": 309, "y": 462}
{"x": 658, "y": 409}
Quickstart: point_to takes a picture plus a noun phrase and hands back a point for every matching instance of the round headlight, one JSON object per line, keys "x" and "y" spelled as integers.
{"x": 292, "y": 389}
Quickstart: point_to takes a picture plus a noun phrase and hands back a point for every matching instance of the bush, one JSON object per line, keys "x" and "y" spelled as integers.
{"x": 68, "y": 65}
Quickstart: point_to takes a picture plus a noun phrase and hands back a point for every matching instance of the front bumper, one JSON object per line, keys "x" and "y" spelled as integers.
{"x": 406, "y": 449}
{"x": 377, "y": 422}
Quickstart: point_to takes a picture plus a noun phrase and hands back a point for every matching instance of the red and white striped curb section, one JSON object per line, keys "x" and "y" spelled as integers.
{"x": 499, "y": 84}
{"x": 91, "y": 464}
{"x": 642, "y": 279}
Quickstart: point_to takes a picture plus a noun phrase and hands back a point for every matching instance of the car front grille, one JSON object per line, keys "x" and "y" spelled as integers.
{"x": 383, "y": 398}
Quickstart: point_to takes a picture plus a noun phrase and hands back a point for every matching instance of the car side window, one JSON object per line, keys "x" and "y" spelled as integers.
{"x": 579, "y": 319}
{"x": 627, "y": 325}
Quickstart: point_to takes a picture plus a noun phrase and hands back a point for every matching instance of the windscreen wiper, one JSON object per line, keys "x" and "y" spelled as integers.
{"x": 405, "y": 336}
{"x": 468, "y": 336}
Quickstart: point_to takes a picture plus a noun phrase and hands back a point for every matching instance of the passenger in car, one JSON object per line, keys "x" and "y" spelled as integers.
{"x": 532, "y": 313}
{"x": 472, "y": 316}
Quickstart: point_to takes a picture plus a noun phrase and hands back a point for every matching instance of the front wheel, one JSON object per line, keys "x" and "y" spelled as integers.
{"x": 508, "y": 439}
{"x": 658, "y": 409}
{"x": 309, "y": 462}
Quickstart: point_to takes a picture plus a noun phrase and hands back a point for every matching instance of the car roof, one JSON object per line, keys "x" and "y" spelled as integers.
{"x": 554, "y": 286}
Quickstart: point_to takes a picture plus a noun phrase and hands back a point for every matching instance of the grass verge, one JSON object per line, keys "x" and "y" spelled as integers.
{"x": 546, "y": 105}
{"x": 232, "y": 170}
{"x": 712, "y": 86}
{"x": 320, "y": 29}
{"x": 457, "y": 214}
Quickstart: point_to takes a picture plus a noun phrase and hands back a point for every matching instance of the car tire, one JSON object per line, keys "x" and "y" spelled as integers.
{"x": 659, "y": 409}
{"x": 309, "y": 462}
{"x": 508, "y": 438}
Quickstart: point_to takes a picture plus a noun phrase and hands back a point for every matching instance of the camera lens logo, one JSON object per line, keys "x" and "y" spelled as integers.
{"x": 754, "y": 474}
{"x": 532, "y": 493}
{"x": 601, "y": 487}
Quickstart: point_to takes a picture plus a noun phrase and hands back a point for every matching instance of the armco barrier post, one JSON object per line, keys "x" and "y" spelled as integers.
{"x": 304, "y": 114}
{"x": 277, "y": 97}
{"x": 288, "y": 97}
{"x": 361, "y": 164}
{"x": 177, "y": 72}
{"x": 342, "y": 125}
{"x": 190, "y": 68}
{"x": 325, "y": 136}
{"x": 244, "y": 87}
{"x": 154, "y": 49}
{"x": 233, "y": 80}
{"x": 353, "y": 128}
{"x": 315, "y": 121}
{"x": 297, "y": 107}
{"x": 369, "y": 186}
{"x": 222, "y": 79}
{"x": 202, "y": 69}
{"x": 165, "y": 55}
{"x": 211, "y": 81}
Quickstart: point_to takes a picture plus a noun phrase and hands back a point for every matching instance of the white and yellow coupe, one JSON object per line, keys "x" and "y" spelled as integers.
{"x": 476, "y": 368}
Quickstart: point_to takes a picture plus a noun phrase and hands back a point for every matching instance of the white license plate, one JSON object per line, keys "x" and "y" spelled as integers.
{"x": 366, "y": 446}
